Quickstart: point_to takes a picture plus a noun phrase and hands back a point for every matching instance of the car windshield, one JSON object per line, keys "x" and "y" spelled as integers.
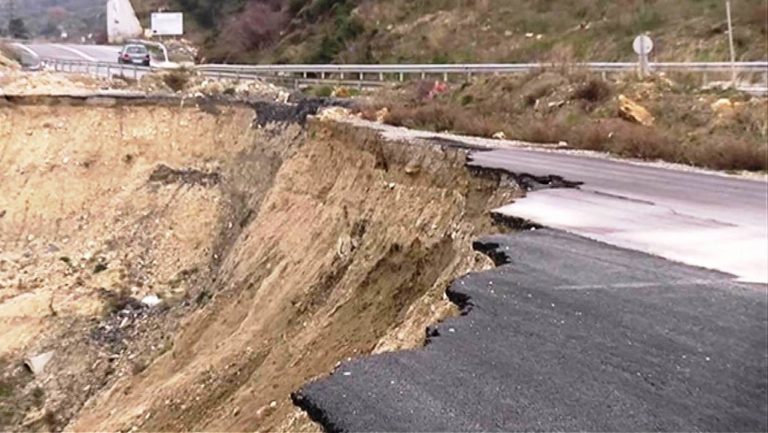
{"x": 136, "y": 50}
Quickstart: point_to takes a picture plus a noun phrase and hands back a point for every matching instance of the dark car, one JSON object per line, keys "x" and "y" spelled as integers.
{"x": 135, "y": 54}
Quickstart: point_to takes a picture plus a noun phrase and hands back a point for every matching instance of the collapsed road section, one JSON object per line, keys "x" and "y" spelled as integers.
{"x": 186, "y": 264}
{"x": 698, "y": 217}
{"x": 568, "y": 334}
{"x": 176, "y": 264}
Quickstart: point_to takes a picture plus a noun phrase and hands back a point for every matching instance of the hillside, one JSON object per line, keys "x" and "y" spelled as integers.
{"x": 466, "y": 30}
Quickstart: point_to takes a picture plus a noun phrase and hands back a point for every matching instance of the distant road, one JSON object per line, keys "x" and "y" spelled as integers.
{"x": 90, "y": 53}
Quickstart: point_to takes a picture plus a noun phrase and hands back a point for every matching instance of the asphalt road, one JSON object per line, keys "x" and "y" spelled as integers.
{"x": 707, "y": 220}
{"x": 570, "y": 335}
{"x": 105, "y": 55}
{"x": 692, "y": 216}
{"x": 90, "y": 53}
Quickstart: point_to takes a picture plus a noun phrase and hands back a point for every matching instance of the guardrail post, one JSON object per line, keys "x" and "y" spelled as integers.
{"x": 135, "y": 72}
{"x": 402, "y": 77}
{"x": 381, "y": 76}
{"x": 423, "y": 76}
{"x": 445, "y": 77}
{"x": 109, "y": 75}
{"x": 322, "y": 75}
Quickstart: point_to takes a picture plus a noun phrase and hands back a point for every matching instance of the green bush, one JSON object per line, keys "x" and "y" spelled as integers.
{"x": 346, "y": 28}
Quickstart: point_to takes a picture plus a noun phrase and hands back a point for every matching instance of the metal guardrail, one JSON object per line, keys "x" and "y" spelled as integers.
{"x": 484, "y": 68}
{"x": 96, "y": 68}
{"x": 363, "y": 74}
{"x": 376, "y": 75}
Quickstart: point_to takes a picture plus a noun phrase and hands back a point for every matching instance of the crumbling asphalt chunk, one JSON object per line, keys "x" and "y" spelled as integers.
{"x": 491, "y": 249}
{"x": 167, "y": 175}
{"x": 513, "y": 223}
{"x": 535, "y": 183}
{"x": 527, "y": 181}
{"x": 274, "y": 112}
{"x": 208, "y": 105}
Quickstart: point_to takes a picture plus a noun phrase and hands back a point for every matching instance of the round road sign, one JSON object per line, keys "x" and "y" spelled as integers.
{"x": 643, "y": 45}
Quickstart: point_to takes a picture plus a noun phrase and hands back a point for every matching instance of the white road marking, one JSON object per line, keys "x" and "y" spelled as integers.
{"x": 643, "y": 285}
{"x": 25, "y": 48}
{"x": 76, "y": 51}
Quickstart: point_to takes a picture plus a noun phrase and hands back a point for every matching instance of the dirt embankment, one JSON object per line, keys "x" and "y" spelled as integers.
{"x": 276, "y": 251}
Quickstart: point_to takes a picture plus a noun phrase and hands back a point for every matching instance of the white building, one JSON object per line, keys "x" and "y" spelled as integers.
{"x": 122, "y": 22}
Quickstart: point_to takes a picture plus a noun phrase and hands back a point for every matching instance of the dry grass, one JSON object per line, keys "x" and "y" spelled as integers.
{"x": 177, "y": 79}
{"x": 593, "y": 91}
{"x": 443, "y": 118}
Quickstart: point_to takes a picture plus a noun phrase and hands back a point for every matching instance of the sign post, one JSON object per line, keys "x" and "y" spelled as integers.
{"x": 643, "y": 45}
{"x": 730, "y": 43}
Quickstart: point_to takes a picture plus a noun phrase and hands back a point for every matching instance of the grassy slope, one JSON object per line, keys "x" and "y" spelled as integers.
{"x": 486, "y": 30}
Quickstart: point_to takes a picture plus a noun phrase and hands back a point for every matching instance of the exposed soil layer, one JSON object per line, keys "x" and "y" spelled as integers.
{"x": 275, "y": 251}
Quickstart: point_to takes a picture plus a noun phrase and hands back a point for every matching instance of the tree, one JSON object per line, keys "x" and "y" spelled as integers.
{"x": 17, "y": 29}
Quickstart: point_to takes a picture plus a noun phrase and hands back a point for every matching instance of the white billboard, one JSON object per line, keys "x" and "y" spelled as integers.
{"x": 167, "y": 23}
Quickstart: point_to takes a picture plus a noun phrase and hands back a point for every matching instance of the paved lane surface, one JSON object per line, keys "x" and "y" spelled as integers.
{"x": 718, "y": 222}
{"x": 569, "y": 335}
{"x": 90, "y": 53}
{"x": 695, "y": 217}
